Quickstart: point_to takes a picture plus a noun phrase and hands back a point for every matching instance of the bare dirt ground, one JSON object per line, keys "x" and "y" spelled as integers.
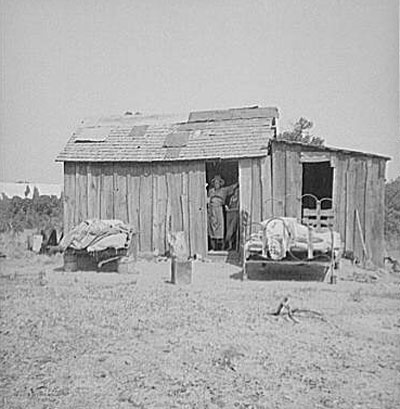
{"x": 106, "y": 340}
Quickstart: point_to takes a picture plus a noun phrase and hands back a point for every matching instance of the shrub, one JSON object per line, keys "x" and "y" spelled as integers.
{"x": 41, "y": 212}
{"x": 392, "y": 210}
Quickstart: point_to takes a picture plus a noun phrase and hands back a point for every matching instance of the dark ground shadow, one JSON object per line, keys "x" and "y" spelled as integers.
{"x": 281, "y": 271}
{"x": 237, "y": 276}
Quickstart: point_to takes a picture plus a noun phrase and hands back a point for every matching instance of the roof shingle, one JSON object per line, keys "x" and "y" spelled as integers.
{"x": 232, "y": 135}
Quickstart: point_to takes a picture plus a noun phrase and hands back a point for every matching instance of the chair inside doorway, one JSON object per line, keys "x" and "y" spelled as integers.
{"x": 222, "y": 205}
{"x": 317, "y": 194}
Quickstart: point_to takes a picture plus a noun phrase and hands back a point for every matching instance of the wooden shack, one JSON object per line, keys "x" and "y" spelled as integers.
{"x": 152, "y": 172}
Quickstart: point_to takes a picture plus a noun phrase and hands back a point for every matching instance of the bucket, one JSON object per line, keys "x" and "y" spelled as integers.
{"x": 181, "y": 271}
{"x": 126, "y": 265}
{"x": 70, "y": 262}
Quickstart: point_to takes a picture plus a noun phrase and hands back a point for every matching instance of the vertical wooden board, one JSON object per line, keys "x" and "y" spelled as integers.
{"x": 146, "y": 208}
{"x": 359, "y": 206}
{"x": 69, "y": 195}
{"x": 197, "y": 208}
{"x": 174, "y": 185}
{"x": 380, "y": 245}
{"x": 245, "y": 198}
{"x": 202, "y": 233}
{"x": 107, "y": 192}
{"x": 339, "y": 196}
{"x": 256, "y": 191}
{"x": 379, "y": 216}
{"x": 133, "y": 190}
{"x": 266, "y": 187}
{"x": 293, "y": 184}
{"x": 278, "y": 180}
{"x": 371, "y": 204}
{"x": 350, "y": 204}
{"x": 154, "y": 212}
{"x": 160, "y": 199}
{"x": 120, "y": 192}
{"x": 94, "y": 190}
{"x": 185, "y": 166}
{"x": 81, "y": 200}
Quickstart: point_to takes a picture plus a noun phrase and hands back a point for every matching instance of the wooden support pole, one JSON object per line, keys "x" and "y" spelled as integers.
{"x": 310, "y": 251}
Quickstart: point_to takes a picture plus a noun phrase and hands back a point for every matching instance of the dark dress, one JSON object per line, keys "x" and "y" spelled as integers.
{"x": 217, "y": 198}
{"x": 232, "y": 221}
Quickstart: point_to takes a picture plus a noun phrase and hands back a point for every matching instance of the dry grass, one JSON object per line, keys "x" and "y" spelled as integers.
{"x": 88, "y": 340}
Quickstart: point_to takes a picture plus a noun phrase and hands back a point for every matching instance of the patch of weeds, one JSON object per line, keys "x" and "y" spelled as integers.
{"x": 228, "y": 359}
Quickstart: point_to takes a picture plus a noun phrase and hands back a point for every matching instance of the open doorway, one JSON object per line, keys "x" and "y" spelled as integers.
{"x": 222, "y": 205}
{"x": 317, "y": 182}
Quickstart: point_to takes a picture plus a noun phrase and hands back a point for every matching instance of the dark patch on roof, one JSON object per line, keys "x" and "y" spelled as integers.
{"x": 139, "y": 130}
{"x": 176, "y": 139}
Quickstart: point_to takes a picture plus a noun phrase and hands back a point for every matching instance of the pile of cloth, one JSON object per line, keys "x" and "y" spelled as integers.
{"x": 280, "y": 237}
{"x": 97, "y": 235}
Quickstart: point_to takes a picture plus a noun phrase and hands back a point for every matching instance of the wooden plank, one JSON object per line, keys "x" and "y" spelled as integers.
{"x": 322, "y": 212}
{"x": 69, "y": 195}
{"x": 374, "y": 229}
{"x": 266, "y": 187}
{"x": 94, "y": 190}
{"x": 369, "y": 202}
{"x": 133, "y": 191}
{"x": 146, "y": 208}
{"x": 154, "y": 212}
{"x": 359, "y": 206}
{"x": 160, "y": 237}
{"x": 120, "y": 192}
{"x": 245, "y": 199}
{"x": 278, "y": 180}
{"x": 350, "y": 205}
{"x": 256, "y": 204}
{"x": 293, "y": 184}
{"x": 185, "y": 166}
{"x": 107, "y": 192}
{"x": 81, "y": 210}
{"x": 339, "y": 196}
{"x": 380, "y": 217}
{"x": 202, "y": 209}
{"x": 194, "y": 204}
{"x": 174, "y": 182}
{"x": 197, "y": 208}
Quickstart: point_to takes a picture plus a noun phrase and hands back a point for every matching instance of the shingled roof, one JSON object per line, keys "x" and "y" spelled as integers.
{"x": 224, "y": 134}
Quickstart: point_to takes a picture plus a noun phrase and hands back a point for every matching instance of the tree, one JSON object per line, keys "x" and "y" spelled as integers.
{"x": 301, "y": 132}
{"x": 392, "y": 210}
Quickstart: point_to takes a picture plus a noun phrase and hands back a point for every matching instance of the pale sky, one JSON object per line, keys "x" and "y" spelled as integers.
{"x": 336, "y": 62}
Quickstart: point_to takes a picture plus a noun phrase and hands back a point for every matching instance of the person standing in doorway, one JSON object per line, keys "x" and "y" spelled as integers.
{"x": 216, "y": 201}
{"x": 232, "y": 221}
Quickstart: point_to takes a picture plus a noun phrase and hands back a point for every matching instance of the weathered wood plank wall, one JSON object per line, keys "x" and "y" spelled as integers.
{"x": 153, "y": 198}
{"x": 94, "y": 190}
{"x": 358, "y": 186}
{"x": 278, "y": 180}
{"x": 266, "y": 187}
{"x": 197, "y": 207}
{"x": 293, "y": 185}
{"x": 158, "y": 198}
{"x": 339, "y": 195}
{"x": 69, "y": 195}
